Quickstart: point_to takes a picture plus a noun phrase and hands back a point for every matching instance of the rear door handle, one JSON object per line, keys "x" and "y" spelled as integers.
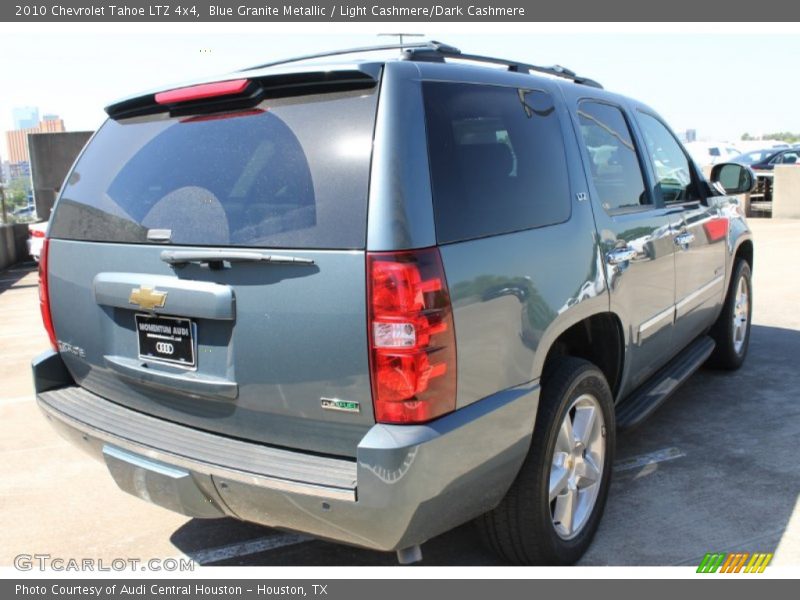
{"x": 684, "y": 239}
{"x": 621, "y": 255}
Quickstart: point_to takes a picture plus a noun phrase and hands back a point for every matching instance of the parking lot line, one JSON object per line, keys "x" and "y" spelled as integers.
{"x": 4, "y": 401}
{"x": 213, "y": 555}
{"x": 650, "y": 458}
{"x": 25, "y": 334}
{"x": 5, "y": 453}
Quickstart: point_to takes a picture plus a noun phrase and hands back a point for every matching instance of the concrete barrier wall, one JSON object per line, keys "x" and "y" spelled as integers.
{"x": 786, "y": 192}
{"x": 13, "y": 248}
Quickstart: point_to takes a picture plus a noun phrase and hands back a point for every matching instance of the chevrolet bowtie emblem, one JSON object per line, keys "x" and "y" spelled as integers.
{"x": 148, "y": 298}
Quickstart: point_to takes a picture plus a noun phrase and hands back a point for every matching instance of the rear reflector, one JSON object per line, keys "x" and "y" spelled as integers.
{"x": 44, "y": 295}
{"x": 37, "y": 233}
{"x": 202, "y": 91}
{"x": 412, "y": 341}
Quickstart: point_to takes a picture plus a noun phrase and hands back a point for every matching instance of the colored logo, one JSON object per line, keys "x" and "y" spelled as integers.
{"x": 734, "y": 562}
{"x": 148, "y": 298}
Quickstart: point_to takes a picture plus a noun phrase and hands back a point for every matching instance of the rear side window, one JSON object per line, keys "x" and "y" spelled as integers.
{"x": 788, "y": 158}
{"x": 497, "y": 160}
{"x": 613, "y": 160}
{"x": 292, "y": 173}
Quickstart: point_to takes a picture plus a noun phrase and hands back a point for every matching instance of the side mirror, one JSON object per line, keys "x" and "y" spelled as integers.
{"x": 732, "y": 178}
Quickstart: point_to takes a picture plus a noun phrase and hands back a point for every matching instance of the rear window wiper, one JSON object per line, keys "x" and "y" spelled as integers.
{"x": 216, "y": 259}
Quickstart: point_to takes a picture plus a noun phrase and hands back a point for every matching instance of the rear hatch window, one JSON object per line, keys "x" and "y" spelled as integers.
{"x": 289, "y": 173}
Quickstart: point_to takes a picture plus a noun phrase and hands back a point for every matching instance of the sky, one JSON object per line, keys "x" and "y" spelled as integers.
{"x": 722, "y": 85}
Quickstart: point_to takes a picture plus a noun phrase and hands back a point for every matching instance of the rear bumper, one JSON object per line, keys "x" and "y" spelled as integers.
{"x": 407, "y": 484}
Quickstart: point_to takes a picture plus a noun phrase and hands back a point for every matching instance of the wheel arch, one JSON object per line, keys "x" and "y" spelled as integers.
{"x": 744, "y": 250}
{"x": 597, "y": 337}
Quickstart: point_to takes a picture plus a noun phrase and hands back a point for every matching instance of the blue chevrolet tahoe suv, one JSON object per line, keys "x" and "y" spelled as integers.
{"x": 371, "y": 299}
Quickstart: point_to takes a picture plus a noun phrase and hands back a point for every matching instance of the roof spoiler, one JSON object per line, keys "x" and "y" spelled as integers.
{"x": 238, "y": 93}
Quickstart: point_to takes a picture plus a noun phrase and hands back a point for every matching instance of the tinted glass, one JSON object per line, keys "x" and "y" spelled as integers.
{"x": 614, "y": 163}
{"x": 291, "y": 174}
{"x": 673, "y": 174}
{"x": 753, "y": 157}
{"x": 497, "y": 160}
{"x": 788, "y": 158}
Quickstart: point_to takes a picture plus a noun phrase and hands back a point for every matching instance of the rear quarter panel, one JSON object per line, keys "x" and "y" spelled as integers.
{"x": 514, "y": 294}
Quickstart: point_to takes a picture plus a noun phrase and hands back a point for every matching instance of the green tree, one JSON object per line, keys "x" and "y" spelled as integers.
{"x": 17, "y": 191}
{"x": 779, "y": 136}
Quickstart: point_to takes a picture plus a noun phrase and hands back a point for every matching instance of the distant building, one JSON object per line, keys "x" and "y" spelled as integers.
{"x": 17, "y": 140}
{"x": 691, "y": 135}
{"x": 51, "y": 124}
{"x": 17, "y": 144}
{"x": 18, "y": 170}
{"x": 25, "y": 117}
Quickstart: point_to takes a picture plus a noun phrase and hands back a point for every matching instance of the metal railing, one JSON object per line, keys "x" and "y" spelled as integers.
{"x": 761, "y": 197}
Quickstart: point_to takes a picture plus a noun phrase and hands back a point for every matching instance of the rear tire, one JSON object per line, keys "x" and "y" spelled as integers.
{"x": 731, "y": 332}
{"x": 530, "y": 528}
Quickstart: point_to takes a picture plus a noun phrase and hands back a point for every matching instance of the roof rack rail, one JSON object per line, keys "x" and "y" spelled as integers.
{"x": 434, "y": 51}
{"x": 342, "y": 52}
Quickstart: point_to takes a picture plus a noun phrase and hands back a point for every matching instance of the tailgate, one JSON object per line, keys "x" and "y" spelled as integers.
{"x": 260, "y": 333}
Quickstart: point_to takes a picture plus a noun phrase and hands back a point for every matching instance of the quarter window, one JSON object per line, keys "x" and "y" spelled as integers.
{"x": 613, "y": 161}
{"x": 497, "y": 160}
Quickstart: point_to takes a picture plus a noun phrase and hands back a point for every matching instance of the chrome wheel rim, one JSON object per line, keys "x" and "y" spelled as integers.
{"x": 577, "y": 469}
{"x": 741, "y": 315}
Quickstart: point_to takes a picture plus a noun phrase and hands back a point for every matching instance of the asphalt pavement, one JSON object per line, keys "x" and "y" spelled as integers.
{"x": 715, "y": 469}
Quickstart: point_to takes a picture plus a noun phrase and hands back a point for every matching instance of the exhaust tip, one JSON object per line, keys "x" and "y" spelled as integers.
{"x": 410, "y": 555}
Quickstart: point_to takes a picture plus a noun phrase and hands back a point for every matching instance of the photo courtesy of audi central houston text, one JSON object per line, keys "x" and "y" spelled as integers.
{"x": 404, "y": 302}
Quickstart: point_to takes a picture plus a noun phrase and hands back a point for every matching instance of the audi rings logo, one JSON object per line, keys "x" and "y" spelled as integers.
{"x": 165, "y": 348}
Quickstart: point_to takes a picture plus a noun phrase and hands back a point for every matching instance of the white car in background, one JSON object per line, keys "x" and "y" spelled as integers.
{"x": 36, "y": 233}
{"x": 711, "y": 153}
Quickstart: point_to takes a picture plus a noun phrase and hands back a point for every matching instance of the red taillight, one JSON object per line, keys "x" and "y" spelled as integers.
{"x": 44, "y": 295}
{"x": 412, "y": 340}
{"x": 203, "y": 91}
{"x": 37, "y": 233}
